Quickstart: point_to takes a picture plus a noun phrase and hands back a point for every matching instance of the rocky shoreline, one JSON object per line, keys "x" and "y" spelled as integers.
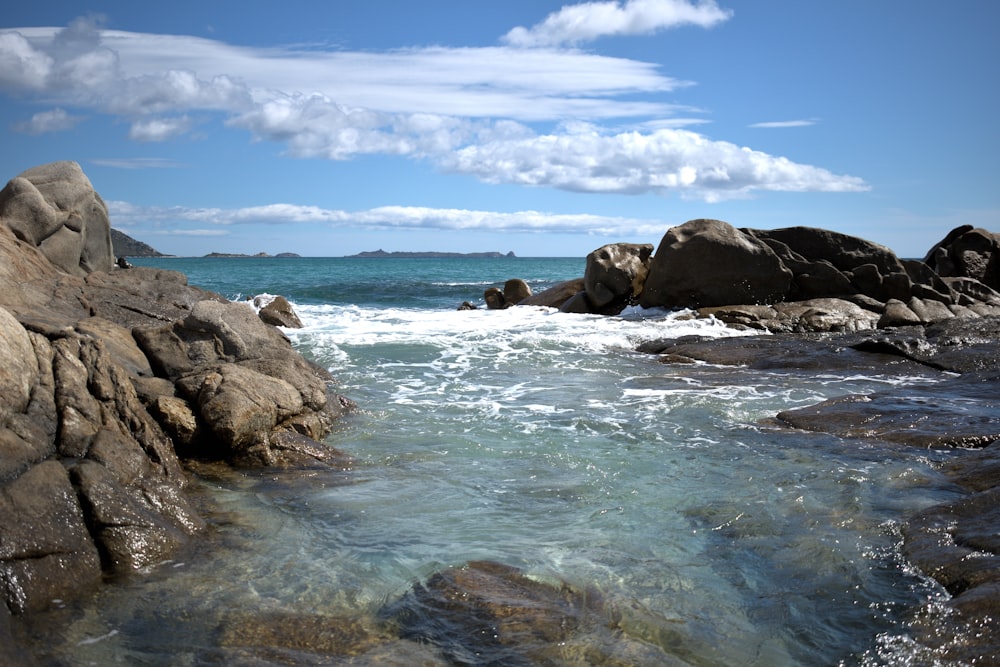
{"x": 113, "y": 380}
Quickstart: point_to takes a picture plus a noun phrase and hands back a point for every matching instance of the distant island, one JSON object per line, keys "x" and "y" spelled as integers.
{"x": 260, "y": 254}
{"x": 382, "y": 253}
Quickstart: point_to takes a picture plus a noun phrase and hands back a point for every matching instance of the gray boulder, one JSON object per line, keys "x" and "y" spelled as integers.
{"x": 711, "y": 263}
{"x": 55, "y": 208}
{"x": 615, "y": 275}
{"x": 968, "y": 252}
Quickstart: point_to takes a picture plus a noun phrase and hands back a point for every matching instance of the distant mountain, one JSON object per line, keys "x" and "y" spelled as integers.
{"x": 383, "y": 253}
{"x": 124, "y": 245}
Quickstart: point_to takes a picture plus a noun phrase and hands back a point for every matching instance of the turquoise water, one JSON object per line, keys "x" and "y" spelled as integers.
{"x": 540, "y": 440}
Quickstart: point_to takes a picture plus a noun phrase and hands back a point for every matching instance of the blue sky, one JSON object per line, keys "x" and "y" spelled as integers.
{"x": 546, "y": 128}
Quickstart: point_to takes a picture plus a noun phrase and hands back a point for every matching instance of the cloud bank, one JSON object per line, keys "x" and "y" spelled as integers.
{"x": 538, "y": 117}
{"x": 384, "y": 217}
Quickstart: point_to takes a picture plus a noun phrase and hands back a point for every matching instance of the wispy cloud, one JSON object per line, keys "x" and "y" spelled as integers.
{"x": 53, "y": 120}
{"x": 136, "y": 163}
{"x": 591, "y": 20}
{"x": 128, "y": 215}
{"x": 787, "y": 123}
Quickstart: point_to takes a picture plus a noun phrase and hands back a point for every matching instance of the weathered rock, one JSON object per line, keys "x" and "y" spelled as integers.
{"x": 277, "y": 312}
{"x": 55, "y": 208}
{"x": 968, "y": 252}
{"x": 555, "y": 296}
{"x": 46, "y": 552}
{"x": 705, "y": 263}
{"x": 89, "y": 480}
{"x": 19, "y": 369}
{"x": 963, "y": 413}
{"x": 615, "y": 275}
{"x": 813, "y": 315}
{"x": 957, "y": 544}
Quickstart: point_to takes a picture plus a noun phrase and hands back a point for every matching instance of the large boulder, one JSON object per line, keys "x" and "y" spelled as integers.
{"x": 55, "y": 208}
{"x": 615, "y": 275}
{"x": 711, "y": 263}
{"x": 968, "y": 252}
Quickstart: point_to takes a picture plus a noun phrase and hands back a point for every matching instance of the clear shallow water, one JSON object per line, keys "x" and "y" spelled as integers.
{"x": 540, "y": 440}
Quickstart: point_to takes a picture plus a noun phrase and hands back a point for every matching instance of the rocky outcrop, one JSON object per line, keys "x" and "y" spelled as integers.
{"x": 711, "y": 263}
{"x": 108, "y": 377}
{"x": 55, "y": 208}
{"x": 967, "y": 252}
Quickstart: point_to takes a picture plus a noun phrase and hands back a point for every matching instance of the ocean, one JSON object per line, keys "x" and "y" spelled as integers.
{"x": 544, "y": 441}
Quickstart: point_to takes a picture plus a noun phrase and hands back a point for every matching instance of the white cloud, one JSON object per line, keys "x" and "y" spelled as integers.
{"x": 663, "y": 161}
{"x": 22, "y": 66}
{"x": 124, "y": 214}
{"x": 787, "y": 123}
{"x": 53, "y": 120}
{"x": 590, "y": 20}
{"x": 158, "y": 129}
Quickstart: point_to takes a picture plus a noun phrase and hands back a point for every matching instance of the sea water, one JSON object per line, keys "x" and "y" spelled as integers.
{"x": 544, "y": 441}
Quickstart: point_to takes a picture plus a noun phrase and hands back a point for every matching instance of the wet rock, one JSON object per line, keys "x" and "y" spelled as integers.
{"x": 956, "y": 543}
{"x": 555, "y": 296}
{"x": 277, "y": 312}
{"x": 488, "y": 613}
{"x": 615, "y": 275}
{"x": 46, "y": 552}
{"x": 494, "y": 298}
{"x": 962, "y": 412}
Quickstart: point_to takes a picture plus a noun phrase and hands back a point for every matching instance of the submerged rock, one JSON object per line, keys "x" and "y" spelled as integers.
{"x": 488, "y": 613}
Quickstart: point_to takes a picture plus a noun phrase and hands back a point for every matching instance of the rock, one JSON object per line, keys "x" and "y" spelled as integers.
{"x": 46, "y": 552}
{"x": 277, "y": 312}
{"x": 555, "y": 296}
{"x": 90, "y": 482}
{"x": 705, "y": 263}
{"x": 812, "y": 315}
{"x": 951, "y": 413}
{"x": 615, "y": 275}
{"x": 957, "y": 544}
{"x": 968, "y": 252}
{"x": 515, "y": 291}
{"x": 844, "y": 252}
{"x": 579, "y": 304}
{"x": 494, "y": 298}
{"x": 55, "y": 208}
{"x": 19, "y": 370}
{"x": 488, "y": 613}
{"x": 897, "y": 314}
